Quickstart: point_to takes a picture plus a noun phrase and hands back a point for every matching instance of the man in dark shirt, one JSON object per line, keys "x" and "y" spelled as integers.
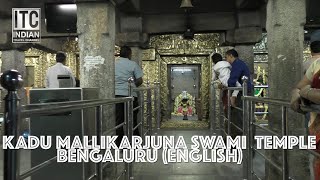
{"x": 238, "y": 70}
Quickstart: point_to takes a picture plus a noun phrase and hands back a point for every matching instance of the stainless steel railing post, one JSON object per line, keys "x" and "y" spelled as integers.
{"x": 213, "y": 109}
{"x": 129, "y": 104}
{"x": 99, "y": 173}
{"x": 155, "y": 96}
{"x": 129, "y": 127}
{"x": 251, "y": 138}
{"x": 229, "y": 111}
{"x": 221, "y": 112}
{"x": 142, "y": 112}
{"x": 149, "y": 109}
{"x": 11, "y": 80}
{"x": 246, "y": 128}
{"x": 285, "y": 166}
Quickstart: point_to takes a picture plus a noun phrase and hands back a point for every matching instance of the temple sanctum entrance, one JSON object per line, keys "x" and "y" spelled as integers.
{"x": 183, "y": 69}
{"x": 184, "y": 92}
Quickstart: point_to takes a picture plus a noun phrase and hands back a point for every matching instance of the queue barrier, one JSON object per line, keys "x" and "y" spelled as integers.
{"x": 14, "y": 112}
{"x": 250, "y": 125}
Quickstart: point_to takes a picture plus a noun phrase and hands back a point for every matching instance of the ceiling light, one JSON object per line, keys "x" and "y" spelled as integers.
{"x": 182, "y": 70}
{"x": 186, "y": 4}
{"x": 68, "y": 6}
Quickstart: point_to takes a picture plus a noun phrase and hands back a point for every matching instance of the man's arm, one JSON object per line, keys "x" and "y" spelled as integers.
{"x": 304, "y": 82}
{"x": 311, "y": 94}
{"x": 236, "y": 92}
{"x": 138, "y": 82}
{"x": 295, "y": 95}
{"x": 234, "y": 95}
{"x": 138, "y": 75}
{"x": 234, "y": 76}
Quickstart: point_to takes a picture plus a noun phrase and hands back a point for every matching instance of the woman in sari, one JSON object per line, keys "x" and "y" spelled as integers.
{"x": 309, "y": 89}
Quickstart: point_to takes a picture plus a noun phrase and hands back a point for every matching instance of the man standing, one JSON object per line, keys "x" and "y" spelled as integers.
{"x": 124, "y": 69}
{"x": 51, "y": 80}
{"x": 238, "y": 70}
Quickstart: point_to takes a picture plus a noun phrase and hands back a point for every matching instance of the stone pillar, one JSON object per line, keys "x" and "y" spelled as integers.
{"x": 246, "y": 54}
{"x": 137, "y": 55}
{"x": 96, "y": 28}
{"x": 285, "y": 22}
{"x": 14, "y": 59}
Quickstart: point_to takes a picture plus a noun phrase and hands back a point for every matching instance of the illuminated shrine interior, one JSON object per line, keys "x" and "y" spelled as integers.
{"x": 173, "y": 62}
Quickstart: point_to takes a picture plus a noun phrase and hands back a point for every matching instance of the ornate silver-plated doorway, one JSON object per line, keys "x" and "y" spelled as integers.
{"x": 184, "y": 92}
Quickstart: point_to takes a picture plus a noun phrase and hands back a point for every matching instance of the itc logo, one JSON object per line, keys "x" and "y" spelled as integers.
{"x": 26, "y": 25}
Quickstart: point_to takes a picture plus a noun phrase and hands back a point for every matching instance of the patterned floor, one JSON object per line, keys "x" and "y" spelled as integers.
{"x": 189, "y": 170}
{"x": 180, "y": 117}
{"x": 181, "y": 124}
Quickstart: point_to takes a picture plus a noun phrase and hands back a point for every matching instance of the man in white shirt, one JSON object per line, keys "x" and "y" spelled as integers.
{"x": 51, "y": 80}
{"x": 222, "y": 70}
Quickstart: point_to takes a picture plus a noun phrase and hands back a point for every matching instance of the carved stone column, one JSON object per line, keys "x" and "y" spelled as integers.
{"x": 285, "y": 28}
{"x": 96, "y": 26}
{"x": 14, "y": 59}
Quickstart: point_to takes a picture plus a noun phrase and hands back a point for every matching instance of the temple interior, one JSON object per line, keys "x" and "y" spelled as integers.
{"x": 184, "y": 67}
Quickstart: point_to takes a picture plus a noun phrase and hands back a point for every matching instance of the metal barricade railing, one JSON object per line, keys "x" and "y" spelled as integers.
{"x": 12, "y": 81}
{"x": 226, "y": 117}
{"x": 148, "y": 102}
{"x": 251, "y": 125}
{"x": 222, "y": 116}
{"x": 227, "y": 120}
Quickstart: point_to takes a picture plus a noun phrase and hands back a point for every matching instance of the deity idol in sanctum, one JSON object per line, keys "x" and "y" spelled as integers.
{"x": 185, "y": 107}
